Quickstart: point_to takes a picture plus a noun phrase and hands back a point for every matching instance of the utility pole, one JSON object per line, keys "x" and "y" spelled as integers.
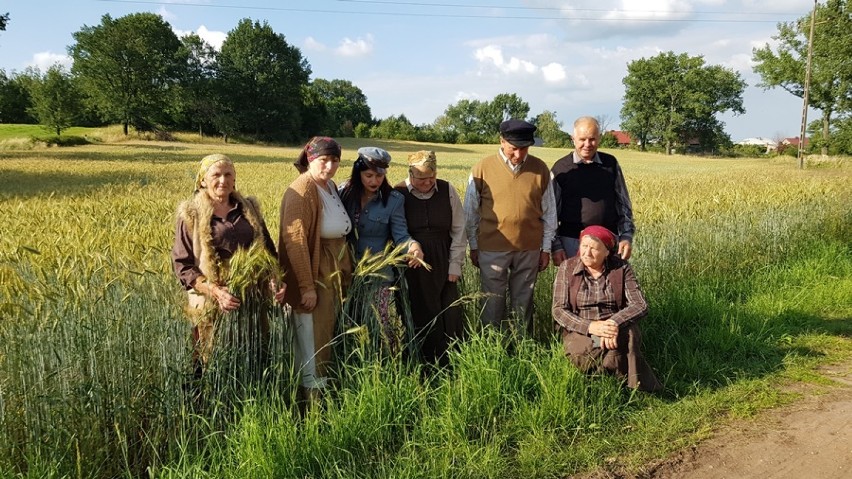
{"x": 801, "y": 153}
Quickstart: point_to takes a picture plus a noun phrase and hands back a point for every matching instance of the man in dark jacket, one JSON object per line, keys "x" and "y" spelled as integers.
{"x": 590, "y": 190}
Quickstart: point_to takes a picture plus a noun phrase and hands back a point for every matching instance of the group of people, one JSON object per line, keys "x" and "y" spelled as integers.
{"x": 517, "y": 215}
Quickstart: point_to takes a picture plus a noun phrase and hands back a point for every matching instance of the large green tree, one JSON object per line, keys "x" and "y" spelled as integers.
{"x": 461, "y": 121}
{"x": 199, "y": 104}
{"x": 830, "y": 89}
{"x": 502, "y": 107}
{"x": 674, "y": 99}
{"x": 550, "y": 130}
{"x": 15, "y": 99}
{"x": 345, "y": 104}
{"x": 475, "y": 121}
{"x": 56, "y": 101}
{"x": 129, "y": 68}
{"x": 394, "y": 128}
{"x": 262, "y": 78}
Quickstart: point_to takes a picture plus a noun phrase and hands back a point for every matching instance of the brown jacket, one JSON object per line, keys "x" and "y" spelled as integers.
{"x": 195, "y": 215}
{"x": 299, "y": 239}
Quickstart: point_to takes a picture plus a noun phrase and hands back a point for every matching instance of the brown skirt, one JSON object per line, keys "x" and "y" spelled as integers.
{"x": 335, "y": 276}
{"x": 626, "y": 361}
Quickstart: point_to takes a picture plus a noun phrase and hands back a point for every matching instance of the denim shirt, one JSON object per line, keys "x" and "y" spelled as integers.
{"x": 379, "y": 224}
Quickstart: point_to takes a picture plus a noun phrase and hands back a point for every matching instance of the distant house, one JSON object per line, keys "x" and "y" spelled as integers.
{"x": 794, "y": 141}
{"x": 770, "y": 145}
{"x": 622, "y": 137}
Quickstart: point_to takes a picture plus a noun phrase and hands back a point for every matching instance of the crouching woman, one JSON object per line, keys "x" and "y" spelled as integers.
{"x": 597, "y": 304}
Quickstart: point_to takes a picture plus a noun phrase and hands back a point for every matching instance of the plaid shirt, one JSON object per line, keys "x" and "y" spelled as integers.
{"x": 595, "y": 298}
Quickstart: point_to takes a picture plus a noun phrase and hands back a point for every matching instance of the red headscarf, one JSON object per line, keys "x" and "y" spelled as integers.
{"x": 601, "y": 233}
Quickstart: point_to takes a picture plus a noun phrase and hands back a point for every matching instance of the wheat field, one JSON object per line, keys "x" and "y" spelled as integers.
{"x": 746, "y": 264}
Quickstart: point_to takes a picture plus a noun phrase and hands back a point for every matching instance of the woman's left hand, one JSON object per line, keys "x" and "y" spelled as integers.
{"x": 224, "y": 298}
{"x": 278, "y": 293}
{"x": 609, "y": 343}
{"x": 415, "y": 254}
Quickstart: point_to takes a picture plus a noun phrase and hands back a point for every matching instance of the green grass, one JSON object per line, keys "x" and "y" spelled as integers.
{"x": 17, "y": 131}
{"x": 746, "y": 265}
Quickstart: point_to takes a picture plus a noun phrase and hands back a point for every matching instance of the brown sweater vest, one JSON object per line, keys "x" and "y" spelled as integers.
{"x": 510, "y": 204}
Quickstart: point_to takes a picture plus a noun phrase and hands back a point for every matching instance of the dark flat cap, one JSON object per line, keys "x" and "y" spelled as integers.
{"x": 518, "y": 132}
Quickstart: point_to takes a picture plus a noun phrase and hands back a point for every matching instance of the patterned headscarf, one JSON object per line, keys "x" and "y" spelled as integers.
{"x": 600, "y": 233}
{"x": 423, "y": 164}
{"x": 321, "y": 146}
{"x": 316, "y": 147}
{"x": 205, "y": 165}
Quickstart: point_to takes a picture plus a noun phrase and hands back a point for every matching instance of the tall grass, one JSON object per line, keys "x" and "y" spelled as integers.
{"x": 746, "y": 265}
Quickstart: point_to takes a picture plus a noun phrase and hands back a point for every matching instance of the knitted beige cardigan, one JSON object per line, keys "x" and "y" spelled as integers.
{"x": 299, "y": 239}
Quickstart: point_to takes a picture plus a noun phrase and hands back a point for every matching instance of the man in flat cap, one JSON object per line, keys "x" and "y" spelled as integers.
{"x": 510, "y": 215}
{"x": 590, "y": 190}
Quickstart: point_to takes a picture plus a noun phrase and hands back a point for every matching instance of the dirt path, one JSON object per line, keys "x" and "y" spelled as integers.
{"x": 809, "y": 439}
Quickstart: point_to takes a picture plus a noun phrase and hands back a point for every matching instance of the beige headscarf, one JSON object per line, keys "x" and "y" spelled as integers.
{"x": 422, "y": 164}
{"x": 205, "y": 165}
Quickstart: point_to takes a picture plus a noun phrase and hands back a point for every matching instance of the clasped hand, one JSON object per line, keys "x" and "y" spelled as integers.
{"x": 607, "y": 331}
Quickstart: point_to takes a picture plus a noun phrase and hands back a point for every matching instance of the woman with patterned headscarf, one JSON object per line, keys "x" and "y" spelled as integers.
{"x": 315, "y": 257}
{"x": 597, "y": 305}
{"x": 211, "y": 226}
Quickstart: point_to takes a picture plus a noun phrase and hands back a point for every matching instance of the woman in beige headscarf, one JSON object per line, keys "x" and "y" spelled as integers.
{"x": 211, "y": 226}
{"x": 435, "y": 218}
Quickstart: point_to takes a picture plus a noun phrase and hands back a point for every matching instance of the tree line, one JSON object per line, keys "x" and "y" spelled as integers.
{"x": 136, "y": 72}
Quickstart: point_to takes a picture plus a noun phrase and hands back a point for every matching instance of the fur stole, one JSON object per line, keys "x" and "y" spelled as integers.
{"x": 196, "y": 214}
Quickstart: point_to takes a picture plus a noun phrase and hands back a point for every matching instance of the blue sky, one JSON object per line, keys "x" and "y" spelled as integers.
{"x": 418, "y": 56}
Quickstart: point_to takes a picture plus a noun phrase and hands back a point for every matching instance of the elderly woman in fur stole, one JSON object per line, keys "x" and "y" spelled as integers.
{"x": 211, "y": 226}
{"x": 597, "y": 305}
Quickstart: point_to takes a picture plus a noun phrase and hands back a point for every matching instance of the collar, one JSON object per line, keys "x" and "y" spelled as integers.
{"x": 377, "y": 196}
{"x": 413, "y": 191}
{"x": 509, "y": 163}
{"x": 579, "y": 268}
{"x": 578, "y": 160}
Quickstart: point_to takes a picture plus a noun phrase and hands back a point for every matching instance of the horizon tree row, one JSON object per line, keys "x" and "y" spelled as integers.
{"x": 135, "y": 71}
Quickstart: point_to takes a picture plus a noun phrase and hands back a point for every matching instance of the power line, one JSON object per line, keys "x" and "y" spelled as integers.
{"x": 463, "y": 16}
{"x": 557, "y": 9}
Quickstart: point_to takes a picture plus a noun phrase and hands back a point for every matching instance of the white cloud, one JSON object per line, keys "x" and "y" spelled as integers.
{"x": 553, "y": 73}
{"x": 492, "y": 56}
{"x": 167, "y": 15}
{"x": 44, "y": 60}
{"x": 355, "y": 48}
{"x": 312, "y": 44}
{"x": 463, "y": 95}
{"x": 649, "y": 10}
{"x": 214, "y": 38}
{"x": 490, "y": 53}
{"x": 522, "y": 66}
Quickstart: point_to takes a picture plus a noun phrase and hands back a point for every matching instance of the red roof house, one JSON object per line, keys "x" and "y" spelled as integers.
{"x": 621, "y": 137}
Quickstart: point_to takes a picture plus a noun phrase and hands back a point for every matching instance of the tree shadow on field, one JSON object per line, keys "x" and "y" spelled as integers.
{"x": 702, "y": 342}
{"x": 350, "y": 147}
{"x": 108, "y": 152}
{"x": 27, "y": 184}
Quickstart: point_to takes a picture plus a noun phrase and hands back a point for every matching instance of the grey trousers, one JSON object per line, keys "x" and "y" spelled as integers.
{"x": 514, "y": 272}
